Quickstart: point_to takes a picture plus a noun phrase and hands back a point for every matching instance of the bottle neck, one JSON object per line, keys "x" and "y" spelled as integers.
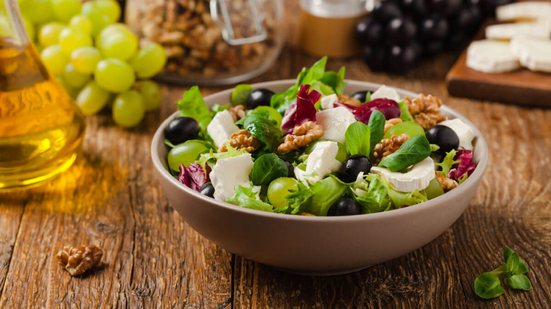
{"x": 12, "y": 29}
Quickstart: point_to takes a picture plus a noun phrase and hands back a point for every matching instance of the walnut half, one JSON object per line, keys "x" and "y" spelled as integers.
{"x": 302, "y": 136}
{"x": 78, "y": 260}
{"x": 388, "y": 146}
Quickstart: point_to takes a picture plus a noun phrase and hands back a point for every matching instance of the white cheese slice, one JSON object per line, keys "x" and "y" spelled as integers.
{"x": 221, "y": 128}
{"x": 229, "y": 173}
{"x": 320, "y": 163}
{"x": 525, "y": 29}
{"x": 533, "y": 53}
{"x": 418, "y": 178}
{"x": 329, "y": 101}
{"x": 463, "y": 131}
{"x": 334, "y": 122}
{"x": 385, "y": 92}
{"x": 524, "y": 10}
{"x": 490, "y": 56}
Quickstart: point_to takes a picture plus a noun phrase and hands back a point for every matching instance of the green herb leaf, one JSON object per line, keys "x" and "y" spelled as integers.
{"x": 240, "y": 94}
{"x": 519, "y": 282}
{"x": 220, "y": 107}
{"x": 357, "y": 138}
{"x": 448, "y": 162}
{"x": 298, "y": 198}
{"x": 211, "y": 157}
{"x": 488, "y": 286}
{"x": 412, "y": 151}
{"x": 514, "y": 265}
{"x": 373, "y": 197}
{"x": 192, "y": 105}
{"x": 267, "y": 168}
{"x": 404, "y": 112}
{"x": 259, "y": 123}
{"x": 335, "y": 80}
{"x": 248, "y": 198}
{"x": 324, "y": 194}
{"x": 376, "y": 127}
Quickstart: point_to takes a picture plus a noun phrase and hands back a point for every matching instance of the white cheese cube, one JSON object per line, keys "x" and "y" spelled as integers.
{"x": 229, "y": 173}
{"x": 463, "y": 131}
{"x": 524, "y": 10}
{"x": 490, "y": 56}
{"x": 385, "y": 92}
{"x": 221, "y": 128}
{"x": 334, "y": 122}
{"x": 534, "y": 54}
{"x": 508, "y": 31}
{"x": 320, "y": 163}
{"x": 329, "y": 101}
{"x": 418, "y": 178}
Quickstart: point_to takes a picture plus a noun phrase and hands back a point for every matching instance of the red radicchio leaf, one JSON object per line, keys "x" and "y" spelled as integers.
{"x": 302, "y": 110}
{"x": 465, "y": 165}
{"x": 194, "y": 176}
{"x": 388, "y": 107}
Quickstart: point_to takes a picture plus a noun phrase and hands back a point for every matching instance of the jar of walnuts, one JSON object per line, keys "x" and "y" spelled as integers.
{"x": 211, "y": 42}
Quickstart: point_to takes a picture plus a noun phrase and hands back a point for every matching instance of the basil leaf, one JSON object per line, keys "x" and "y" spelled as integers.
{"x": 519, "y": 282}
{"x": 267, "y": 168}
{"x": 376, "y": 126}
{"x": 357, "y": 138}
{"x": 405, "y": 115}
{"x": 192, "y": 105}
{"x": 488, "y": 286}
{"x": 412, "y": 151}
{"x": 248, "y": 198}
{"x": 263, "y": 128}
{"x": 335, "y": 80}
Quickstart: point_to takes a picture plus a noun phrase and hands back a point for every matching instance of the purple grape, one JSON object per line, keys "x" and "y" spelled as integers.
{"x": 488, "y": 7}
{"x": 369, "y": 32}
{"x": 385, "y": 11}
{"x": 416, "y": 7}
{"x": 438, "y": 6}
{"x": 374, "y": 57}
{"x": 434, "y": 47}
{"x": 401, "y": 58}
{"x": 452, "y": 6}
{"x": 433, "y": 28}
{"x": 401, "y": 31}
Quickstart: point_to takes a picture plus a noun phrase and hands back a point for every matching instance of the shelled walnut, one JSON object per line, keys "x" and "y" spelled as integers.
{"x": 425, "y": 109}
{"x": 78, "y": 260}
{"x": 194, "y": 41}
{"x": 388, "y": 146}
{"x": 446, "y": 183}
{"x": 242, "y": 139}
{"x": 302, "y": 136}
{"x": 391, "y": 123}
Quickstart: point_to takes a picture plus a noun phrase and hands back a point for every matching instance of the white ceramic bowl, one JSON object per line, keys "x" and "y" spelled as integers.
{"x": 317, "y": 245}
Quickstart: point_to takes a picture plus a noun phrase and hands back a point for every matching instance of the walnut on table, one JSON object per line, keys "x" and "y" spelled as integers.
{"x": 388, "y": 146}
{"x": 242, "y": 139}
{"x": 302, "y": 136}
{"x": 78, "y": 260}
{"x": 425, "y": 109}
{"x": 446, "y": 183}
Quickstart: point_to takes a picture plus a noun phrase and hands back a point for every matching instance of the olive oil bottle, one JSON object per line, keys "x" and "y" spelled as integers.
{"x": 41, "y": 128}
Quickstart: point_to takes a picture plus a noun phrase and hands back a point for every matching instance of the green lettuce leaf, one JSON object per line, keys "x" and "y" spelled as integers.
{"x": 401, "y": 199}
{"x": 298, "y": 198}
{"x": 248, "y": 197}
{"x": 193, "y": 105}
{"x": 405, "y": 115}
{"x": 324, "y": 194}
{"x": 448, "y": 162}
{"x": 211, "y": 157}
{"x": 267, "y": 168}
{"x": 372, "y": 193}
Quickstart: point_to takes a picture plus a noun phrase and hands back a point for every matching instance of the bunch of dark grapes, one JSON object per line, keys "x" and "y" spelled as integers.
{"x": 398, "y": 33}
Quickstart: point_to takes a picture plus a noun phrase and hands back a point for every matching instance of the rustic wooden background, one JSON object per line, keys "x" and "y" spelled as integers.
{"x": 154, "y": 259}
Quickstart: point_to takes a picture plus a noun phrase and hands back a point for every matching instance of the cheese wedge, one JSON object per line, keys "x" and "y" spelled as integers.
{"x": 532, "y": 53}
{"x": 490, "y": 56}
{"x": 526, "y": 29}
{"x": 524, "y": 10}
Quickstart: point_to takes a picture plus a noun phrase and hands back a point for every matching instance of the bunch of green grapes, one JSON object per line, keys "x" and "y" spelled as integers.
{"x": 95, "y": 58}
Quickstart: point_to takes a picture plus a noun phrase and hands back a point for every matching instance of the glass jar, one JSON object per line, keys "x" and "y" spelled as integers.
{"x": 211, "y": 42}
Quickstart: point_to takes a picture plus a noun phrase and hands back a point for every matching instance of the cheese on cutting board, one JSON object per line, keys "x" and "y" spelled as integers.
{"x": 533, "y": 53}
{"x": 526, "y": 29}
{"x": 524, "y": 10}
{"x": 491, "y": 56}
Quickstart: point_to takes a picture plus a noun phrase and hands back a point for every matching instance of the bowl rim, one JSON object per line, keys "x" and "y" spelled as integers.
{"x": 456, "y": 193}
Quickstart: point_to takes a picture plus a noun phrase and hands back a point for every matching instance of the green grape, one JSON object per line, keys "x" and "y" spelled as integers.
{"x": 81, "y": 23}
{"x": 186, "y": 153}
{"x": 279, "y": 189}
{"x": 37, "y": 11}
{"x": 49, "y": 33}
{"x": 128, "y": 109}
{"x": 92, "y": 98}
{"x": 410, "y": 128}
{"x": 29, "y": 28}
{"x": 65, "y": 9}
{"x": 117, "y": 28}
{"x": 54, "y": 59}
{"x": 434, "y": 189}
{"x": 71, "y": 39}
{"x": 73, "y": 92}
{"x": 120, "y": 45}
{"x": 151, "y": 93}
{"x": 98, "y": 19}
{"x": 74, "y": 78}
{"x": 85, "y": 59}
{"x": 149, "y": 60}
{"x": 110, "y": 9}
{"x": 240, "y": 94}
{"x": 114, "y": 75}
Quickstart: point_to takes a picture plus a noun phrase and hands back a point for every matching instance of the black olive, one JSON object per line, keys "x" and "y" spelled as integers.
{"x": 345, "y": 206}
{"x": 444, "y": 137}
{"x": 181, "y": 129}
{"x": 259, "y": 97}
{"x": 360, "y": 96}
{"x": 207, "y": 189}
{"x": 352, "y": 167}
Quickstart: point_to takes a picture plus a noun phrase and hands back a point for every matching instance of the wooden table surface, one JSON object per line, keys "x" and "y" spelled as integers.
{"x": 154, "y": 259}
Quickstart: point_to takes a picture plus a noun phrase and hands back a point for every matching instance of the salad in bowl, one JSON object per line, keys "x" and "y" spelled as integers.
{"x": 314, "y": 150}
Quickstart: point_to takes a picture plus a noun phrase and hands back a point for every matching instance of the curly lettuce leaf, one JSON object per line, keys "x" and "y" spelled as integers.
{"x": 448, "y": 162}
{"x": 297, "y": 199}
{"x": 211, "y": 157}
{"x": 248, "y": 197}
{"x": 372, "y": 194}
{"x": 259, "y": 123}
{"x": 324, "y": 194}
{"x": 193, "y": 105}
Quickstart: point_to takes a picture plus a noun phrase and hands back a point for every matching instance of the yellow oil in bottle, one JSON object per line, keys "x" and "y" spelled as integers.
{"x": 40, "y": 126}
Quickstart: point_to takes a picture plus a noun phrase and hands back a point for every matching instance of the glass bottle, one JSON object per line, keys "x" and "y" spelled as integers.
{"x": 41, "y": 128}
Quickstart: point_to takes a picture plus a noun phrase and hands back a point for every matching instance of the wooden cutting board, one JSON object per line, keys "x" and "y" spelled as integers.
{"x": 521, "y": 87}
